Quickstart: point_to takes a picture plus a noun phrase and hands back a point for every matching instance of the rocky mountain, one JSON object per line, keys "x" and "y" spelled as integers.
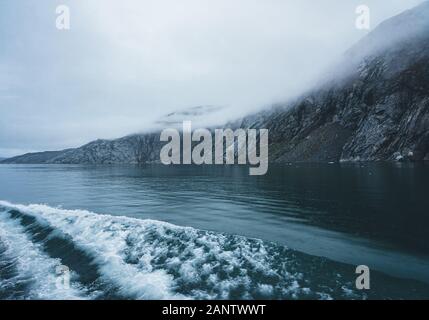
{"x": 373, "y": 106}
{"x": 130, "y": 149}
{"x": 36, "y": 157}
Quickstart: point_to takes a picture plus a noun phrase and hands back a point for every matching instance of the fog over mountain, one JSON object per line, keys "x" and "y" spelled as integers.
{"x": 374, "y": 105}
{"x": 375, "y": 108}
{"x": 125, "y": 65}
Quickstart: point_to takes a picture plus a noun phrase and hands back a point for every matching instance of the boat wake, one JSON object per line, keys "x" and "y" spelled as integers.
{"x": 115, "y": 257}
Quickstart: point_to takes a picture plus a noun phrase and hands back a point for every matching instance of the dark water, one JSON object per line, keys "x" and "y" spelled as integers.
{"x": 314, "y": 225}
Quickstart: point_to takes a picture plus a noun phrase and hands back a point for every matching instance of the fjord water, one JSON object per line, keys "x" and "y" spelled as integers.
{"x": 309, "y": 225}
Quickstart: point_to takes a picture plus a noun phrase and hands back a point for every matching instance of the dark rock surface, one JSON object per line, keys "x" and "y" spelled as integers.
{"x": 378, "y": 109}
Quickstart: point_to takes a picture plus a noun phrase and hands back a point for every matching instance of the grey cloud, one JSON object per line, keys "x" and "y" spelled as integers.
{"x": 125, "y": 64}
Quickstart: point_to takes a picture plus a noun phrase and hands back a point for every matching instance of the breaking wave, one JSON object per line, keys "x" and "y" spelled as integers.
{"x": 115, "y": 257}
{"x": 25, "y": 271}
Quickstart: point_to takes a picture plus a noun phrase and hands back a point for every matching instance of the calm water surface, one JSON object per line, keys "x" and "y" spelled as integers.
{"x": 371, "y": 214}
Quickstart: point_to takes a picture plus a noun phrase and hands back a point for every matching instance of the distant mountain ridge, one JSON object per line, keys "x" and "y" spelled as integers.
{"x": 375, "y": 106}
{"x": 34, "y": 157}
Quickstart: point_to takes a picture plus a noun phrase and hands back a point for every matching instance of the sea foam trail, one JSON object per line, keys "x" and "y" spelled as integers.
{"x": 105, "y": 240}
{"x": 150, "y": 259}
{"x": 27, "y": 273}
{"x": 147, "y": 259}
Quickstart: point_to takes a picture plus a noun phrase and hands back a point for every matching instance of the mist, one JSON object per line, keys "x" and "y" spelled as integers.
{"x": 124, "y": 65}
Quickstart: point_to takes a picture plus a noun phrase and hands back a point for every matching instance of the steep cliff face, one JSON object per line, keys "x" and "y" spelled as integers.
{"x": 376, "y": 109}
{"x": 376, "y": 115}
{"x": 374, "y": 106}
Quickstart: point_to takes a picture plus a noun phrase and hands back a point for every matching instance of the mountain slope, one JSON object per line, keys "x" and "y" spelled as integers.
{"x": 373, "y": 106}
{"x": 377, "y": 110}
{"x": 35, "y": 157}
{"x": 130, "y": 149}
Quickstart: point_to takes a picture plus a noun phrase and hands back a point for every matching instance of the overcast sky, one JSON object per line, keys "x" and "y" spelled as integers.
{"x": 123, "y": 64}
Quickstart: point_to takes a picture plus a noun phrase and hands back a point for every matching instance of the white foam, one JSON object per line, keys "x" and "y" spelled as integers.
{"x": 33, "y": 266}
{"x": 150, "y": 259}
{"x": 105, "y": 239}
